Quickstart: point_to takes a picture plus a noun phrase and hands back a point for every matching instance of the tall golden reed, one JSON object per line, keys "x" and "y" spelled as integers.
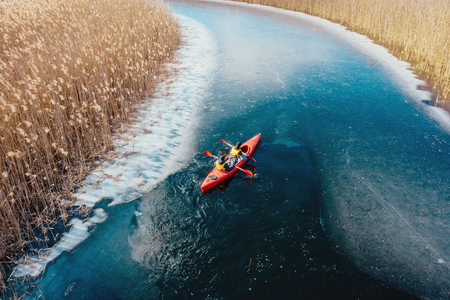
{"x": 70, "y": 72}
{"x": 417, "y": 31}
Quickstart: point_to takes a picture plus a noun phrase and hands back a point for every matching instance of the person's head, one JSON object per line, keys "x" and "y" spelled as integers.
{"x": 238, "y": 145}
{"x": 221, "y": 159}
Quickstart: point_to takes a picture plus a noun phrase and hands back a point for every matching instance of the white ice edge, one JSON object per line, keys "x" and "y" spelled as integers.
{"x": 399, "y": 70}
{"x": 33, "y": 266}
{"x": 158, "y": 154}
{"x": 167, "y": 148}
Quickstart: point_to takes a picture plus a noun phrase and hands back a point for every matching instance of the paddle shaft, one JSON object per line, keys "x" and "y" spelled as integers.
{"x": 242, "y": 152}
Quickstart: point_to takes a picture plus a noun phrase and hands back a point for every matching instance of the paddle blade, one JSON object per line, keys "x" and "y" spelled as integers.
{"x": 253, "y": 158}
{"x": 226, "y": 143}
{"x": 247, "y": 172}
{"x": 208, "y": 153}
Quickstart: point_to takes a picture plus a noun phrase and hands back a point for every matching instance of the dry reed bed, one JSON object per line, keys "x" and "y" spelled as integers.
{"x": 70, "y": 72}
{"x": 417, "y": 31}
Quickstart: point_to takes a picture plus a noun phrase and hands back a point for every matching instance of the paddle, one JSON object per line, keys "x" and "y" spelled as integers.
{"x": 245, "y": 171}
{"x": 242, "y": 152}
{"x": 209, "y": 154}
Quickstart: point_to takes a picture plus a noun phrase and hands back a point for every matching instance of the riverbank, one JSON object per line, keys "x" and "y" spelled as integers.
{"x": 415, "y": 31}
{"x": 72, "y": 73}
{"x": 156, "y": 144}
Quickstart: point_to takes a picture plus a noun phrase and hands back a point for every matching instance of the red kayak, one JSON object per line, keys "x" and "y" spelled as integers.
{"x": 217, "y": 176}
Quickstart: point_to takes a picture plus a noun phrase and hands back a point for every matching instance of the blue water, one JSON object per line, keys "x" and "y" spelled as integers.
{"x": 351, "y": 194}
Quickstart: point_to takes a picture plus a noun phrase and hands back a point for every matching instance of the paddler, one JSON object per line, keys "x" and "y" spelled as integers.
{"x": 222, "y": 165}
{"x": 236, "y": 154}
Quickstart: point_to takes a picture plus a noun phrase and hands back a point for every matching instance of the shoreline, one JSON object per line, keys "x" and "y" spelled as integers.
{"x": 438, "y": 98}
{"x": 63, "y": 92}
{"x": 154, "y": 144}
{"x": 413, "y": 84}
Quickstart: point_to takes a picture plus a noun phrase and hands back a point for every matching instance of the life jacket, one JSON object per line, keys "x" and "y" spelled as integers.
{"x": 235, "y": 152}
{"x": 220, "y": 166}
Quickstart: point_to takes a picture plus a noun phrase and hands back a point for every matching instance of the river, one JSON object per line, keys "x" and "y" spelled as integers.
{"x": 351, "y": 193}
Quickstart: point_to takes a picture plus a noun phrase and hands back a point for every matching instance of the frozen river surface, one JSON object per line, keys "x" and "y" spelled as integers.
{"x": 351, "y": 198}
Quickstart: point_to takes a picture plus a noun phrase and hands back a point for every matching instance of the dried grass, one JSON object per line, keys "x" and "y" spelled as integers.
{"x": 416, "y": 31}
{"x": 71, "y": 71}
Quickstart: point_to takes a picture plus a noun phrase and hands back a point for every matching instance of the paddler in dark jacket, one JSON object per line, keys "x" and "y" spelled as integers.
{"x": 222, "y": 165}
